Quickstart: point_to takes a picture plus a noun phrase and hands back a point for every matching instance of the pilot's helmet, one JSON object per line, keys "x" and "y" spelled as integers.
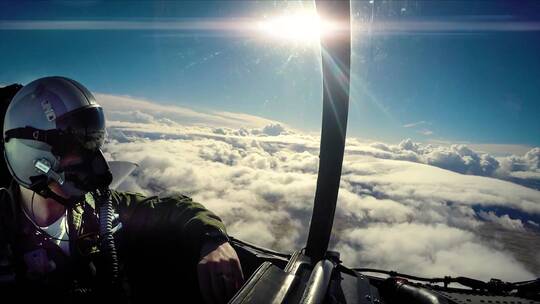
{"x": 47, "y": 119}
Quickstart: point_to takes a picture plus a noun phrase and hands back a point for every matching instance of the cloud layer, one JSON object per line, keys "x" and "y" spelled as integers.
{"x": 421, "y": 209}
{"x": 524, "y": 170}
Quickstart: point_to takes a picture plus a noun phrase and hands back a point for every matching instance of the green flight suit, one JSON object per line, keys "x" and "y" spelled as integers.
{"x": 158, "y": 246}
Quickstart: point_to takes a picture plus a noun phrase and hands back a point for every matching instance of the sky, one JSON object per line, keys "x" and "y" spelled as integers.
{"x": 458, "y": 72}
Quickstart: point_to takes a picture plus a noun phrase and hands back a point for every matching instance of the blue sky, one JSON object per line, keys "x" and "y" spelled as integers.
{"x": 460, "y": 72}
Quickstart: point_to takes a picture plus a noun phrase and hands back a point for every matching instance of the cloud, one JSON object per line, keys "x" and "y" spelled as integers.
{"x": 411, "y": 207}
{"x": 527, "y": 163}
{"x": 414, "y": 124}
{"x": 273, "y": 130}
{"x": 121, "y": 108}
{"x": 426, "y": 132}
{"x": 504, "y": 220}
{"x": 460, "y": 158}
{"x": 500, "y": 150}
{"x": 431, "y": 250}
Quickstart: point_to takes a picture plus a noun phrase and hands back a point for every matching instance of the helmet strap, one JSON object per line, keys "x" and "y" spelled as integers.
{"x": 40, "y": 186}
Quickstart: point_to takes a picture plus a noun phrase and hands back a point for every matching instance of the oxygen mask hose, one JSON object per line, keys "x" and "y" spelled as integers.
{"x": 107, "y": 245}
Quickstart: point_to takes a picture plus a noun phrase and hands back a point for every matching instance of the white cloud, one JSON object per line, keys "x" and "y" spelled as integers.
{"x": 396, "y": 209}
{"x": 504, "y": 220}
{"x": 460, "y": 158}
{"x": 429, "y": 250}
{"x": 426, "y": 132}
{"x": 500, "y": 150}
{"x": 527, "y": 163}
{"x": 525, "y": 174}
{"x": 121, "y": 107}
{"x": 415, "y": 124}
{"x": 273, "y": 130}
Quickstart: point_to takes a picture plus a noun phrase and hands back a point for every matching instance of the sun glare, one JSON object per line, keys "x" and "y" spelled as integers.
{"x": 303, "y": 27}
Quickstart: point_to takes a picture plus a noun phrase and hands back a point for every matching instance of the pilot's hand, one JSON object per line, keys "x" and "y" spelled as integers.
{"x": 219, "y": 271}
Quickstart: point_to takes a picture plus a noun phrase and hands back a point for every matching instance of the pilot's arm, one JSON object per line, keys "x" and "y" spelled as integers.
{"x": 201, "y": 232}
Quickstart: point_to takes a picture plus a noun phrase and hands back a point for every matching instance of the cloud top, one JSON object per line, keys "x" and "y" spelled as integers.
{"x": 411, "y": 207}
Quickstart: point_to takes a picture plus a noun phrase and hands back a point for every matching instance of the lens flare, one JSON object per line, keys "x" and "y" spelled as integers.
{"x": 302, "y": 27}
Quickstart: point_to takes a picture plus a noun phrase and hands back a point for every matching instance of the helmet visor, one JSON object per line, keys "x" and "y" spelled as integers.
{"x": 82, "y": 129}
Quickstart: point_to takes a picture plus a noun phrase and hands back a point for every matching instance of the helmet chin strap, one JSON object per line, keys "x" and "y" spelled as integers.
{"x": 40, "y": 186}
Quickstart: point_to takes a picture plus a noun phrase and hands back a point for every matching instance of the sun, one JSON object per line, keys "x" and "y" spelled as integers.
{"x": 299, "y": 27}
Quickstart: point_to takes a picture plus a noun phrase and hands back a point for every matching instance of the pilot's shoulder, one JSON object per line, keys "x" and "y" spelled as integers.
{"x": 129, "y": 198}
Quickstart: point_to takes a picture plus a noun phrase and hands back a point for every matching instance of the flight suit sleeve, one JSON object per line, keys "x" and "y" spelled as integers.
{"x": 176, "y": 218}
